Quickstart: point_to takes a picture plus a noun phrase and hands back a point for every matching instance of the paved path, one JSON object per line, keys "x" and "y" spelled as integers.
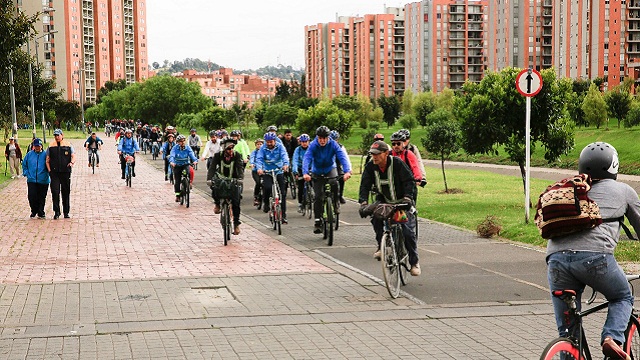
{"x": 121, "y": 280}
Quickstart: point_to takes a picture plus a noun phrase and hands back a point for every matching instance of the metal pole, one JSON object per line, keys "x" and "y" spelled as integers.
{"x": 527, "y": 161}
{"x": 81, "y": 86}
{"x": 12, "y": 94}
{"x": 44, "y": 134}
{"x": 33, "y": 108}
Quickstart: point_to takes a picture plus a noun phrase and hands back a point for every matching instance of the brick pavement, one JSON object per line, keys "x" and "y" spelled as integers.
{"x": 116, "y": 282}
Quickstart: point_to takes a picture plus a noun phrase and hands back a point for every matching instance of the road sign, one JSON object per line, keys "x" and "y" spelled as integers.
{"x": 529, "y": 82}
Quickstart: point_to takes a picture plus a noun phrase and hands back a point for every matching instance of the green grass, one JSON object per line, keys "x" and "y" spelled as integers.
{"x": 481, "y": 197}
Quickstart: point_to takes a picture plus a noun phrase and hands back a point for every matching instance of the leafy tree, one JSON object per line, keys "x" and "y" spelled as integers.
{"x": 346, "y": 102}
{"x": 365, "y": 145}
{"x": 110, "y": 86}
{"x": 408, "y": 121}
{"x": 442, "y": 139}
{"x": 258, "y": 114}
{"x": 155, "y": 65}
{"x": 15, "y": 30}
{"x": 407, "y": 102}
{"x": 440, "y": 115}
{"x": 328, "y": 114}
{"x": 594, "y": 107}
{"x": 391, "y": 108}
{"x": 188, "y": 121}
{"x": 618, "y": 101}
{"x": 214, "y": 118}
{"x": 633, "y": 115}
{"x": 445, "y": 99}
{"x": 423, "y": 104}
{"x": 68, "y": 111}
{"x": 281, "y": 114}
{"x": 283, "y": 91}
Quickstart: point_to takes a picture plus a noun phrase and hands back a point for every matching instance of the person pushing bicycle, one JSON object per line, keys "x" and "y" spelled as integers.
{"x": 273, "y": 156}
{"x": 394, "y": 184}
{"x": 586, "y": 257}
{"x": 320, "y": 160}
{"x": 228, "y": 164}
{"x": 93, "y": 143}
{"x": 180, "y": 158}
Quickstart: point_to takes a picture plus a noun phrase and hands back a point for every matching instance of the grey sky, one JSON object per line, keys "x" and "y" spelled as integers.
{"x": 243, "y": 34}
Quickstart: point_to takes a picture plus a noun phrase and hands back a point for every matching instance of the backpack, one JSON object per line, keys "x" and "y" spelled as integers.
{"x": 565, "y": 208}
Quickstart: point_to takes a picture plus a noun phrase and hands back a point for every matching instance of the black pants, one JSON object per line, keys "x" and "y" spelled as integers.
{"x": 166, "y": 166}
{"x": 318, "y": 189}
{"x": 95, "y": 151}
{"x": 177, "y": 176}
{"x": 267, "y": 183}
{"x": 37, "y": 194}
{"x": 300, "y": 184}
{"x": 60, "y": 183}
{"x": 123, "y": 164}
{"x": 408, "y": 232}
{"x": 256, "y": 180}
{"x": 235, "y": 204}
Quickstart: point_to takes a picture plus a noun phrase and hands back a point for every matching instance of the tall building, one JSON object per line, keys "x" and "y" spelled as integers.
{"x": 89, "y": 42}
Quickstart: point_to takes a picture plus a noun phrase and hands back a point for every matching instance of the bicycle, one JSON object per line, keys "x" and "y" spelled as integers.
{"x": 196, "y": 150}
{"x": 290, "y": 183}
{"x": 185, "y": 186}
{"x": 155, "y": 149}
{"x": 576, "y": 347}
{"x": 145, "y": 145}
{"x": 128, "y": 168}
{"x": 308, "y": 197}
{"x": 275, "y": 206}
{"x": 224, "y": 189}
{"x": 331, "y": 207}
{"x": 92, "y": 159}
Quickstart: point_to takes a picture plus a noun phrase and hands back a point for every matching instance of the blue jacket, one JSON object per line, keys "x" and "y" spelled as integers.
{"x": 128, "y": 146}
{"x": 34, "y": 167}
{"x": 165, "y": 149}
{"x": 252, "y": 159}
{"x": 322, "y": 159}
{"x": 180, "y": 156}
{"x": 298, "y": 158}
{"x": 272, "y": 159}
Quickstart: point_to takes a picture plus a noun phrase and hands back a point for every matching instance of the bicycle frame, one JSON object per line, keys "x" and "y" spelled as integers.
{"x": 274, "y": 202}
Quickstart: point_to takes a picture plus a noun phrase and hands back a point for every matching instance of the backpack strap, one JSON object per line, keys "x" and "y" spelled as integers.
{"x": 624, "y": 227}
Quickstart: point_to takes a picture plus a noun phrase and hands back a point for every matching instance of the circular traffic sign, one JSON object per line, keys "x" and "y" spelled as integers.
{"x": 529, "y": 82}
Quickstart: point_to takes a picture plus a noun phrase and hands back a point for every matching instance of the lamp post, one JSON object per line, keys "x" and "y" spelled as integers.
{"x": 44, "y": 125}
{"x": 12, "y": 94}
{"x": 33, "y": 110}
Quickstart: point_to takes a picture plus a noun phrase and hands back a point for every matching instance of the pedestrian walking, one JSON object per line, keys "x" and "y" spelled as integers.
{"x": 34, "y": 168}
{"x": 13, "y": 154}
{"x": 60, "y": 161}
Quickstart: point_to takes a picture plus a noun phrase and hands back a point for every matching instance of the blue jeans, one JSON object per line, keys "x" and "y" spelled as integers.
{"x": 575, "y": 269}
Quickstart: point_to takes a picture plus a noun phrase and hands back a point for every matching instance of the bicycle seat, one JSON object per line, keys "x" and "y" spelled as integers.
{"x": 563, "y": 293}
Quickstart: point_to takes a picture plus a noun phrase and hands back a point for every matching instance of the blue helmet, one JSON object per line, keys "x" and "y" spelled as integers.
{"x": 270, "y": 136}
{"x": 304, "y": 137}
{"x": 334, "y": 135}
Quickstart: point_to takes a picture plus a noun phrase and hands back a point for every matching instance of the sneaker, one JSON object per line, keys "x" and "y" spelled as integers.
{"x": 32, "y": 215}
{"x": 342, "y": 200}
{"x": 284, "y": 220}
{"x": 415, "y": 270}
{"x": 612, "y": 350}
{"x": 13, "y": 176}
{"x": 56, "y": 216}
{"x": 236, "y": 230}
{"x": 300, "y": 208}
{"x": 256, "y": 202}
{"x": 317, "y": 226}
{"x": 177, "y": 198}
{"x": 97, "y": 165}
{"x": 377, "y": 255}
{"x": 265, "y": 208}
{"x": 133, "y": 174}
{"x": 216, "y": 209}
{"x": 41, "y": 216}
{"x": 122, "y": 177}
{"x": 166, "y": 178}
{"x": 67, "y": 216}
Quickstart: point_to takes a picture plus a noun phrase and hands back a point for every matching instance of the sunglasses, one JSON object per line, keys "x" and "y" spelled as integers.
{"x": 396, "y": 143}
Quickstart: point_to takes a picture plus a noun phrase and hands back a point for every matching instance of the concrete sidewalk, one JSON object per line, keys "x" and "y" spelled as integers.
{"x": 134, "y": 275}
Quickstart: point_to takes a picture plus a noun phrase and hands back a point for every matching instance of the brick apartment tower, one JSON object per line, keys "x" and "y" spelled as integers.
{"x": 106, "y": 38}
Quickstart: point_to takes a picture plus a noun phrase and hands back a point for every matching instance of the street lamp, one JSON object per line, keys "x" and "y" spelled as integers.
{"x": 44, "y": 125}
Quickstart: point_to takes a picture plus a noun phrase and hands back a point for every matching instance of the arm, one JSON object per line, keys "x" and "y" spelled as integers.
{"x": 239, "y": 166}
{"x": 285, "y": 158}
{"x": 307, "y": 161}
{"x": 365, "y": 183}
{"x": 260, "y": 160}
{"x": 295, "y": 161}
{"x": 192, "y": 155}
{"x": 213, "y": 168}
{"x": 420, "y": 163}
{"x": 413, "y": 163}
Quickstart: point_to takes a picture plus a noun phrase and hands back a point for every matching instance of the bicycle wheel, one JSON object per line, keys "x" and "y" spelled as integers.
{"x": 272, "y": 214}
{"x": 292, "y": 186}
{"x": 337, "y": 216}
{"x": 183, "y": 192}
{"x": 390, "y": 265}
{"x": 187, "y": 193}
{"x": 309, "y": 202}
{"x": 278, "y": 219}
{"x": 403, "y": 255}
{"x": 93, "y": 163}
{"x": 632, "y": 338}
{"x": 226, "y": 223}
{"x": 330, "y": 220}
{"x": 128, "y": 175}
{"x": 560, "y": 348}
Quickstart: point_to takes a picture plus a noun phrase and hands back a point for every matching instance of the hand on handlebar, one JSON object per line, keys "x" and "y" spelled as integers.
{"x": 260, "y": 172}
{"x": 307, "y": 177}
{"x": 347, "y": 176}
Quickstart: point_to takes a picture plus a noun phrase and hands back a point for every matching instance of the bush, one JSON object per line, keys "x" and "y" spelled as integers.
{"x": 489, "y": 227}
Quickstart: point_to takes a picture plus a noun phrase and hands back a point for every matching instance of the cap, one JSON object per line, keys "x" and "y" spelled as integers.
{"x": 378, "y": 147}
{"x": 37, "y": 142}
{"x": 378, "y": 137}
{"x": 57, "y": 132}
{"x": 12, "y": 138}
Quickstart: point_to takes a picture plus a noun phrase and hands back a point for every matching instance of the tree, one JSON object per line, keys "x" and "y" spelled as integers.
{"x": 618, "y": 101}
{"x": 443, "y": 139}
{"x": 633, "y": 115}
{"x": 408, "y": 121}
{"x": 391, "y": 108}
{"x": 407, "y": 102}
{"x": 346, "y": 102}
{"x": 594, "y": 107}
{"x": 68, "y": 111}
{"x": 281, "y": 114}
{"x": 283, "y": 92}
{"x": 423, "y": 104}
{"x": 328, "y": 114}
{"x": 155, "y": 65}
{"x": 214, "y": 118}
{"x": 110, "y": 86}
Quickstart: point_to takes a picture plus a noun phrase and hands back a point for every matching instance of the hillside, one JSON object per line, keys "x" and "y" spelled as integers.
{"x": 280, "y": 71}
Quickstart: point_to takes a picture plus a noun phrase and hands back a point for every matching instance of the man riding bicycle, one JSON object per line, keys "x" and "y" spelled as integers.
{"x": 395, "y": 184}
{"x": 211, "y": 148}
{"x": 296, "y": 165}
{"x": 93, "y": 144}
{"x": 273, "y": 156}
{"x": 194, "y": 142}
{"x": 180, "y": 158}
{"x": 254, "y": 172}
{"x": 320, "y": 160}
{"x": 228, "y": 164}
{"x": 128, "y": 146}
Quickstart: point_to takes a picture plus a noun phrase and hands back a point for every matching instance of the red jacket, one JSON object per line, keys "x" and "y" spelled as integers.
{"x": 411, "y": 160}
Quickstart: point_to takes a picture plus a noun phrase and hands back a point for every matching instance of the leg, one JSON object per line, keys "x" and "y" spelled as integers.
{"x": 267, "y": 182}
{"x": 55, "y": 192}
{"x": 12, "y": 166}
{"x": 300, "y": 184}
{"x": 318, "y": 189}
{"x": 123, "y": 164}
{"x": 65, "y": 188}
{"x": 560, "y": 277}
{"x": 42, "y": 197}
{"x": 283, "y": 192}
{"x": 410, "y": 241}
{"x": 32, "y": 195}
{"x": 235, "y": 206}
{"x": 177, "y": 176}
{"x": 378, "y": 228}
{"x": 97, "y": 157}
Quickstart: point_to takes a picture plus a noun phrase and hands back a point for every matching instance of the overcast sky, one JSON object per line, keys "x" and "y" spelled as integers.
{"x": 244, "y": 34}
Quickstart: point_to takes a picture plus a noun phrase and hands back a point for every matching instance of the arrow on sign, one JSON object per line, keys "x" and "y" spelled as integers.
{"x": 529, "y": 78}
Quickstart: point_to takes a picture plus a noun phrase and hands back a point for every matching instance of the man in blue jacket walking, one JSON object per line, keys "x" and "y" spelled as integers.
{"x": 320, "y": 163}
{"x": 34, "y": 168}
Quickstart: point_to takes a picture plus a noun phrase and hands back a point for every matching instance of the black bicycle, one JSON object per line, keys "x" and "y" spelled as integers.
{"x": 308, "y": 197}
{"x": 92, "y": 159}
{"x": 275, "y": 203}
{"x": 575, "y": 346}
{"x": 128, "y": 168}
{"x": 290, "y": 183}
{"x": 225, "y": 189}
{"x": 331, "y": 208}
{"x": 185, "y": 186}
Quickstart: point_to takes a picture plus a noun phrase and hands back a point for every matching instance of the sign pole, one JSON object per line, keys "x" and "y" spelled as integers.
{"x": 527, "y": 161}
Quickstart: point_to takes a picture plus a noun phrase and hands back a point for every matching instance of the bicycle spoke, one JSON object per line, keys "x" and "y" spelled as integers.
{"x": 390, "y": 265}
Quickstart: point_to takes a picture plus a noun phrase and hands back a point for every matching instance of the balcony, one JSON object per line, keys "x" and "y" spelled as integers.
{"x": 634, "y": 15}
{"x": 633, "y": 4}
{"x": 547, "y": 3}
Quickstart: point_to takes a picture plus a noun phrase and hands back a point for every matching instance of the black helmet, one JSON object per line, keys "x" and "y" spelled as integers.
{"x": 398, "y": 136}
{"x": 323, "y": 132}
{"x": 599, "y": 160}
{"x": 406, "y": 133}
{"x": 212, "y": 133}
{"x": 235, "y": 133}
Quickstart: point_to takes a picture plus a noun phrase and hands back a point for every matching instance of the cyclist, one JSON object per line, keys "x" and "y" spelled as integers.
{"x": 241, "y": 147}
{"x": 394, "y": 182}
{"x": 409, "y": 158}
{"x": 211, "y": 148}
{"x": 167, "y": 146}
{"x": 586, "y": 257}
{"x": 254, "y": 172}
{"x": 414, "y": 149}
{"x": 228, "y": 164}
{"x": 128, "y": 145}
{"x": 290, "y": 142}
{"x": 170, "y": 130}
{"x": 154, "y": 136}
{"x": 94, "y": 143}
{"x": 273, "y": 156}
{"x": 274, "y": 130}
{"x": 194, "y": 142}
{"x": 376, "y": 137}
{"x": 335, "y": 136}
{"x": 180, "y": 158}
{"x": 296, "y": 165}
{"x": 320, "y": 159}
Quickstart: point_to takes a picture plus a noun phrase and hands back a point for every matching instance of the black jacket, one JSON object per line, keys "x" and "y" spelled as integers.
{"x": 400, "y": 177}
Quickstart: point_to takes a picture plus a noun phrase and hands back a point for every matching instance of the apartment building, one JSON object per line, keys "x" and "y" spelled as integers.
{"x": 89, "y": 42}
{"x": 227, "y": 88}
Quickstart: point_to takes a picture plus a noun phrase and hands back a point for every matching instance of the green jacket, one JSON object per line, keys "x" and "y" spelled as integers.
{"x": 243, "y": 148}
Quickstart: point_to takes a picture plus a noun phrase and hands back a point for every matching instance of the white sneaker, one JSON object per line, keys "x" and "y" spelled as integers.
{"x": 415, "y": 270}
{"x": 377, "y": 255}
{"x": 13, "y": 176}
